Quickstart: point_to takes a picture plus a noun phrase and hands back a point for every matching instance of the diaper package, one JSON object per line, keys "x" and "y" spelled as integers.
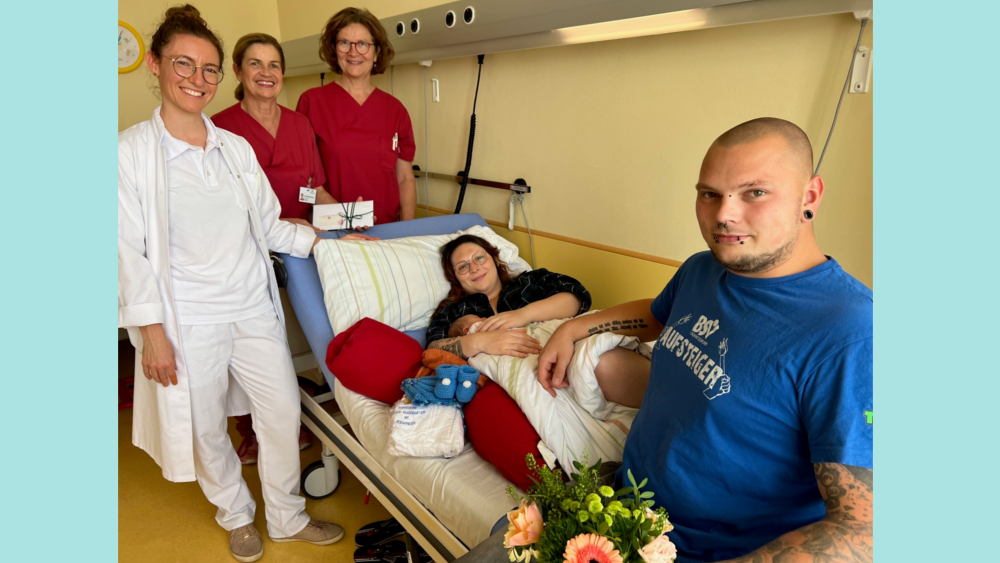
{"x": 425, "y": 431}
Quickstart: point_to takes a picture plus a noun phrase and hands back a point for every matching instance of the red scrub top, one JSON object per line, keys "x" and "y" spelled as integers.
{"x": 355, "y": 143}
{"x": 288, "y": 160}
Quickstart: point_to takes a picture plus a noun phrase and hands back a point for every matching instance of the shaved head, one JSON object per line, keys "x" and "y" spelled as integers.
{"x": 757, "y": 196}
{"x": 755, "y": 129}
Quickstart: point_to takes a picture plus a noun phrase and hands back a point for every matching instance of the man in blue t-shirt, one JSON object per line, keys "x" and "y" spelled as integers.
{"x": 756, "y": 428}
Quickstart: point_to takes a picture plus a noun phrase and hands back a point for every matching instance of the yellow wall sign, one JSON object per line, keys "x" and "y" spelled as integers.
{"x": 130, "y": 48}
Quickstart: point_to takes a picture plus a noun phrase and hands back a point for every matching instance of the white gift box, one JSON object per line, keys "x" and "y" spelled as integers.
{"x": 336, "y": 216}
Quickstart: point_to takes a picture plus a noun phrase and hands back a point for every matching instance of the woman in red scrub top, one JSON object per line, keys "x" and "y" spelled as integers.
{"x": 364, "y": 134}
{"x": 285, "y": 146}
{"x": 282, "y": 139}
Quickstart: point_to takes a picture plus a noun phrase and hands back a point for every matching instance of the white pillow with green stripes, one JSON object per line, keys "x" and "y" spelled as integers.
{"x": 398, "y": 282}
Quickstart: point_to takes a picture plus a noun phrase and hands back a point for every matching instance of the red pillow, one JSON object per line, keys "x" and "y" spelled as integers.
{"x": 373, "y": 359}
{"x": 501, "y": 434}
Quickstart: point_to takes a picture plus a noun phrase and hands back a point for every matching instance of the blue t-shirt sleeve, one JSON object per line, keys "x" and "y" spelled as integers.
{"x": 665, "y": 300}
{"x": 836, "y": 402}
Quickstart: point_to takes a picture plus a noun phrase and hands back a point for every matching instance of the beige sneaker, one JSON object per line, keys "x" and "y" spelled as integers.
{"x": 316, "y": 532}
{"x": 245, "y": 544}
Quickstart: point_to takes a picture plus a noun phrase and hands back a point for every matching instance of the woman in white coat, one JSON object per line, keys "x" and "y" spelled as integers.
{"x": 196, "y": 218}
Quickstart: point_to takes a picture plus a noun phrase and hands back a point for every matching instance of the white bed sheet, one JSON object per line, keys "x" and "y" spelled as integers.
{"x": 467, "y": 494}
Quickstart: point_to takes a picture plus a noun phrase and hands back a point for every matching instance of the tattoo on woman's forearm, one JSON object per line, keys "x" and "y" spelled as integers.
{"x": 616, "y": 325}
{"x": 452, "y": 345}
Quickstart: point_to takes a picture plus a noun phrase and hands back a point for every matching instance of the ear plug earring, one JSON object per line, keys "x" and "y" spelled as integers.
{"x": 808, "y": 215}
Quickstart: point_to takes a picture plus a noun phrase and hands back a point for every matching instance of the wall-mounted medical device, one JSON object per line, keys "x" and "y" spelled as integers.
{"x": 474, "y": 27}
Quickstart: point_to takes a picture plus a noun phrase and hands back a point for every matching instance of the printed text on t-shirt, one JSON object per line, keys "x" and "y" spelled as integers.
{"x": 705, "y": 368}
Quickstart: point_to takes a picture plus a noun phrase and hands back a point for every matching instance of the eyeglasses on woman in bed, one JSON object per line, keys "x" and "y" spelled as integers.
{"x": 466, "y": 267}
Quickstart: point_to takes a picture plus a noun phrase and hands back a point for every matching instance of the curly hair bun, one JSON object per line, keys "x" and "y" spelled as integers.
{"x": 184, "y": 20}
{"x": 185, "y": 11}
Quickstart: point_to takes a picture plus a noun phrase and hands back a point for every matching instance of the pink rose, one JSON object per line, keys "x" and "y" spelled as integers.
{"x": 525, "y": 526}
{"x": 660, "y": 550}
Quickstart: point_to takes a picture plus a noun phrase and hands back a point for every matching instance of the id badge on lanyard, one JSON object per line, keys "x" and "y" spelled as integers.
{"x": 307, "y": 194}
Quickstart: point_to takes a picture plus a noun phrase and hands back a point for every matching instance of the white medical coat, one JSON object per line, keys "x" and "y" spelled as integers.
{"x": 162, "y": 415}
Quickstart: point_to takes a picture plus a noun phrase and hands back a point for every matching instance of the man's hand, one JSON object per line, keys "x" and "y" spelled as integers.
{"x": 158, "y": 355}
{"x": 553, "y": 360}
{"x": 507, "y": 319}
{"x": 462, "y": 325}
{"x": 629, "y": 319}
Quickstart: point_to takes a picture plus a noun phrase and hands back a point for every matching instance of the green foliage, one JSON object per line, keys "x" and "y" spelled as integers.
{"x": 552, "y": 544}
{"x": 585, "y": 506}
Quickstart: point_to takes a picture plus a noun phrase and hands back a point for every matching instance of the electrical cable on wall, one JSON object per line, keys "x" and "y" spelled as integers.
{"x": 864, "y": 23}
{"x": 472, "y": 138}
{"x": 518, "y": 199}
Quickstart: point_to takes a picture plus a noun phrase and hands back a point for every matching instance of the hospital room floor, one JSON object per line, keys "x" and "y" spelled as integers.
{"x": 159, "y": 521}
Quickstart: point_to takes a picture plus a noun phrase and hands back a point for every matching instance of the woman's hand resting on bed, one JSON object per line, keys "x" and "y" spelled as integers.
{"x": 497, "y": 342}
{"x": 352, "y": 236}
{"x": 507, "y": 319}
{"x": 503, "y": 343}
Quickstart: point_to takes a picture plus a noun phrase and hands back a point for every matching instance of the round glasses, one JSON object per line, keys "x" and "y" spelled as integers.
{"x": 344, "y": 46}
{"x": 465, "y": 267}
{"x": 185, "y": 68}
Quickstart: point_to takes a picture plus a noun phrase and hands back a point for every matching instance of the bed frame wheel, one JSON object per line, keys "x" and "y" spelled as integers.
{"x": 321, "y": 478}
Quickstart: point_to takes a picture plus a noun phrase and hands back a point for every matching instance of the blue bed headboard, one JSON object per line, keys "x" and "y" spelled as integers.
{"x": 306, "y": 293}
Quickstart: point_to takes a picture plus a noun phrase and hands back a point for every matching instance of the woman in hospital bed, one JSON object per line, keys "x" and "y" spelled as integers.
{"x": 483, "y": 290}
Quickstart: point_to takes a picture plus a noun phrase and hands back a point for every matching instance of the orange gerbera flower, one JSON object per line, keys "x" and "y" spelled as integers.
{"x": 591, "y": 548}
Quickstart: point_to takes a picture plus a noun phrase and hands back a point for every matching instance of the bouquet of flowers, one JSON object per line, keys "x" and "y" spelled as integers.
{"x": 584, "y": 522}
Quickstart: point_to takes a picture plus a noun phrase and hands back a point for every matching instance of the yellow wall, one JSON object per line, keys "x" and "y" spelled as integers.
{"x": 230, "y": 19}
{"x": 611, "y": 135}
{"x": 610, "y": 277}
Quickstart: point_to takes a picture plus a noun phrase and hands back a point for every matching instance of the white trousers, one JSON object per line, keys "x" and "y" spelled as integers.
{"x": 256, "y": 353}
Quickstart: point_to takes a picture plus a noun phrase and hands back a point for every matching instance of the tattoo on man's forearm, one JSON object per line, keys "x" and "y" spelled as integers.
{"x": 864, "y": 476}
{"x": 616, "y": 325}
{"x": 846, "y": 534}
{"x": 821, "y": 541}
{"x": 837, "y": 485}
{"x": 453, "y": 345}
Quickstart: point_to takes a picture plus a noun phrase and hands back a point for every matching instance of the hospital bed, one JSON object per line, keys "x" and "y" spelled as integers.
{"x": 446, "y": 505}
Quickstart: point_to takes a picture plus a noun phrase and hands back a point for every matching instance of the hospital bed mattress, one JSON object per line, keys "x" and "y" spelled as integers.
{"x": 466, "y": 494}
